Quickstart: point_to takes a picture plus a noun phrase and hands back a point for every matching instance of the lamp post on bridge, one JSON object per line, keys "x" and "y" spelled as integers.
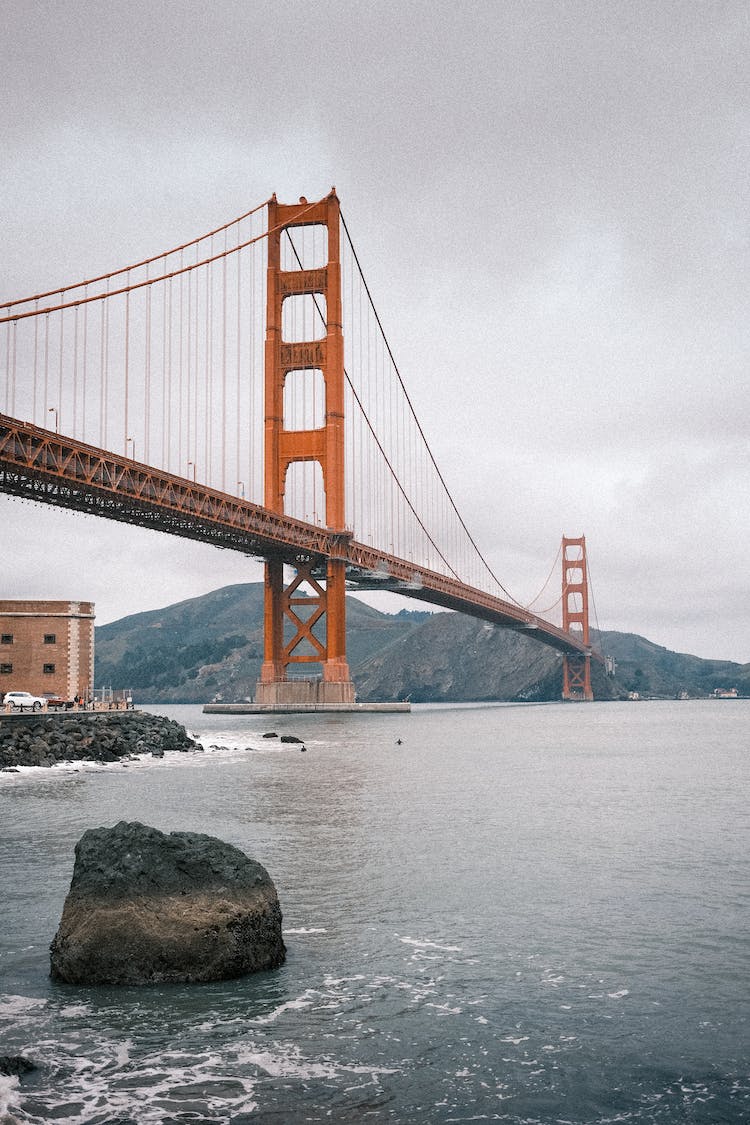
{"x": 132, "y": 450}
{"x": 241, "y": 486}
{"x": 53, "y": 410}
{"x": 191, "y": 463}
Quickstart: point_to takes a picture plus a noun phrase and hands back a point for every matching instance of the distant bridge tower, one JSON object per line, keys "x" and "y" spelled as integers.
{"x": 575, "y": 619}
{"x": 305, "y": 623}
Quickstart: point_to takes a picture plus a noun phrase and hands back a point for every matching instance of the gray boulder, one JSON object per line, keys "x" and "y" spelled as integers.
{"x": 145, "y": 907}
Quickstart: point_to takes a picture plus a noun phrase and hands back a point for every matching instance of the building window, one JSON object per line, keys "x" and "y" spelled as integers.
{"x": 6, "y": 639}
{"x": 6, "y": 669}
{"x": 50, "y": 638}
{"x": 48, "y": 669}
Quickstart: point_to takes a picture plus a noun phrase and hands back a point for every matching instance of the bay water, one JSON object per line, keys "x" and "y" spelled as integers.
{"x": 527, "y": 914}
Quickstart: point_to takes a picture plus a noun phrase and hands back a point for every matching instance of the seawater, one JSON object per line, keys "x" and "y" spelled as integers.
{"x": 527, "y": 914}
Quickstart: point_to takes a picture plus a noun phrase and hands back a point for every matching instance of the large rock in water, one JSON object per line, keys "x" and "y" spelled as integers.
{"x": 144, "y": 907}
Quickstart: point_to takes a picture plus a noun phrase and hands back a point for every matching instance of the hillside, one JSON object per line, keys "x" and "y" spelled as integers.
{"x": 653, "y": 670}
{"x": 212, "y": 647}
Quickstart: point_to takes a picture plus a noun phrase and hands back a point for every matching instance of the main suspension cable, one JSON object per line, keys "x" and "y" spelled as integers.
{"x": 546, "y": 583}
{"x": 419, "y": 427}
{"x": 593, "y": 602}
{"x": 138, "y": 265}
{"x": 374, "y": 435}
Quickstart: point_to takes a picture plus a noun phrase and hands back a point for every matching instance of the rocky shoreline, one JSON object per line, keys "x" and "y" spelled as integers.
{"x": 32, "y": 740}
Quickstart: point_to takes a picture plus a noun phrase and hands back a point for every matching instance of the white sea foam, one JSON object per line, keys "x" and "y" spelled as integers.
{"x": 223, "y": 743}
{"x": 425, "y": 943}
{"x": 72, "y": 1011}
{"x": 619, "y": 994}
{"x": 13, "y": 1006}
{"x": 79, "y": 766}
{"x": 553, "y": 980}
{"x": 334, "y": 982}
{"x": 285, "y": 1062}
{"x": 148, "y": 1090}
{"x": 372, "y": 1071}
{"x": 445, "y": 1009}
{"x": 8, "y": 1088}
{"x": 213, "y": 747}
{"x": 122, "y": 1052}
{"x": 307, "y": 930}
{"x": 303, "y": 1001}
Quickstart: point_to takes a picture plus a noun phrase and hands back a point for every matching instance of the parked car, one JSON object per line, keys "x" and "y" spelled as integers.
{"x": 56, "y": 702}
{"x": 20, "y": 700}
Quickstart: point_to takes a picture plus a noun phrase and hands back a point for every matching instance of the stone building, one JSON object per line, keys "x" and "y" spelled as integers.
{"x": 47, "y": 648}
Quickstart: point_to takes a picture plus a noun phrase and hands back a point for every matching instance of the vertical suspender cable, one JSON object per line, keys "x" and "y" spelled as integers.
{"x": 105, "y": 368}
{"x": 85, "y": 363}
{"x": 36, "y": 356}
{"x": 60, "y": 367}
{"x": 7, "y": 369}
{"x": 147, "y": 381}
{"x": 254, "y": 463}
{"x": 103, "y": 380}
{"x": 196, "y": 366}
{"x": 224, "y": 369}
{"x": 180, "y": 461}
{"x": 127, "y": 365}
{"x": 13, "y": 382}
{"x": 188, "y": 349}
{"x": 208, "y": 402}
{"x": 165, "y": 405}
{"x": 75, "y": 371}
{"x": 238, "y": 409}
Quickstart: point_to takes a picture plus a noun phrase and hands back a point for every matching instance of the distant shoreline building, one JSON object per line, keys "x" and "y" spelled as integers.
{"x": 47, "y": 648}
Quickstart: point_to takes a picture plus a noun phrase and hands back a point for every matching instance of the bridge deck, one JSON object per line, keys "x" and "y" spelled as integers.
{"x": 58, "y": 470}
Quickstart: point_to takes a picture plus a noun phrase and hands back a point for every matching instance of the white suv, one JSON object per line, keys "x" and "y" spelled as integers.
{"x": 18, "y": 700}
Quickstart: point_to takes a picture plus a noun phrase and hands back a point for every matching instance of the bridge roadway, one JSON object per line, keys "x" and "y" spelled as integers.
{"x": 48, "y": 467}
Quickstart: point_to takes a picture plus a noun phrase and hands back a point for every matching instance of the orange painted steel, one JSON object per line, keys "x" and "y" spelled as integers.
{"x": 40, "y": 465}
{"x": 575, "y": 601}
{"x": 324, "y": 445}
{"x": 54, "y": 469}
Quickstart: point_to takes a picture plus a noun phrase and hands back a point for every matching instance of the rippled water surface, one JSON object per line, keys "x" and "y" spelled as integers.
{"x": 519, "y": 914}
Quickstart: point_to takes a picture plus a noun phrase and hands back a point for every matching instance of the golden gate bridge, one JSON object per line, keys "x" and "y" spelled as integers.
{"x": 239, "y": 389}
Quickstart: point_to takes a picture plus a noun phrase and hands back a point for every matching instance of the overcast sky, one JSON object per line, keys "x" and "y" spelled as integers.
{"x": 550, "y": 203}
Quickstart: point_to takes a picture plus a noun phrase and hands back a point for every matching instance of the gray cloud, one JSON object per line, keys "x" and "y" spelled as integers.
{"x": 550, "y": 202}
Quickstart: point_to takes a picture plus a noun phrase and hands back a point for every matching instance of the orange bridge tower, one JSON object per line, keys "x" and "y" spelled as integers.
{"x": 305, "y": 622}
{"x": 575, "y": 619}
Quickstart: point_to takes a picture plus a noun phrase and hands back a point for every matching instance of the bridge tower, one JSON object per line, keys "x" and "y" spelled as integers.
{"x": 305, "y": 622}
{"x": 575, "y": 618}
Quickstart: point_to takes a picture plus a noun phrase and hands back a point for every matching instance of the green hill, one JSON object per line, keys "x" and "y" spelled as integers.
{"x": 653, "y": 670}
{"x": 211, "y": 647}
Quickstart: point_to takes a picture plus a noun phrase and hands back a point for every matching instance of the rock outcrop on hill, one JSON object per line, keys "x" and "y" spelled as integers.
{"x": 145, "y": 908}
